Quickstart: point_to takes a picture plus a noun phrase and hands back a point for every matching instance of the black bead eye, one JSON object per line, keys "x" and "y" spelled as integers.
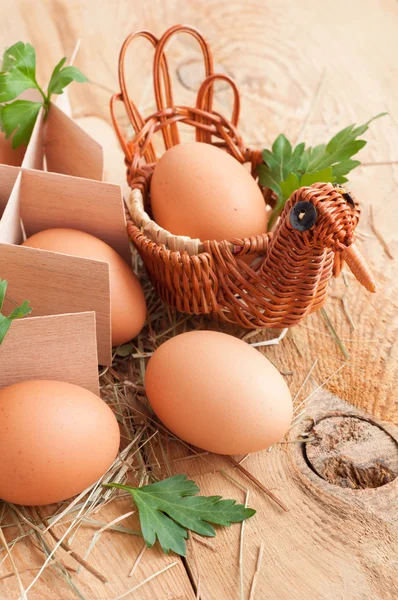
{"x": 348, "y": 198}
{"x": 303, "y": 216}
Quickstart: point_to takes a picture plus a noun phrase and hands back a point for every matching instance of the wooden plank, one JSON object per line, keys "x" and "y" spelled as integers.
{"x": 57, "y": 283}
{"x": 69, "y": 149}
{"x": 22, "y": 156}
{"x": 328, "y": 545}
{"x": 8, "y": 177}
{"x": 114, "y": 555}
{"x": 51, "y": 200}
{"x": 34, "y": 155}
{"x": 41, "y": 351}
{"x": 114, "y": 167}
{"x": 303, "y": 71}
{"x": 10, "y": 222}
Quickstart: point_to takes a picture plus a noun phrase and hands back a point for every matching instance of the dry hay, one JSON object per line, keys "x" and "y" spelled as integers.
{"x": 148, "y": 452}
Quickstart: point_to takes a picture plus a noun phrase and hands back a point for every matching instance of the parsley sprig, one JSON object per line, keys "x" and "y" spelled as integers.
{"x": 18, "y": 73}
{"x": 17, "y": 313}
{"x": 168, "y": 508}
{"x": 286, "y": 169}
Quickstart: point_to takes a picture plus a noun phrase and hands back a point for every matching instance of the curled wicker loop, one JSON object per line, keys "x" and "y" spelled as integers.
{"x": 133, "y": 113}
{"x": 203, "y": 95}
{"x": 125, "y": 147}
{"x": 289, "y": 269}
{"x": 165, "y": 100}
{"x": 213, "y": 124}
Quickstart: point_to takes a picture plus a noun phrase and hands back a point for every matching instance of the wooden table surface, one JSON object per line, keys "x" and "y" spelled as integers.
{"x": 306, "y": 68}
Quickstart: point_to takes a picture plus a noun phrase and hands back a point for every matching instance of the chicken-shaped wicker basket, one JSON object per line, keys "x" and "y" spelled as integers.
{"x": 313, "y": 237}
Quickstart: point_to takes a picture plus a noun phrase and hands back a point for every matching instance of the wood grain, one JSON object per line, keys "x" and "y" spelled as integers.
{"x": 10, "y": 222}
{"x": 51, "y": 200}
{"x": 306, "y": 68}
{"x": 34, "y": 155}
{"x": 332, "y": 543}
{"x": 8, "y": 177}
{"x": 20, "y": 156}
{"x": 59, "y": 347}
{"x": 56, "y": 283}
{"x": 113, "y": 555}
{"x": 69, "y": 149}
{"x": 352, "y": 452}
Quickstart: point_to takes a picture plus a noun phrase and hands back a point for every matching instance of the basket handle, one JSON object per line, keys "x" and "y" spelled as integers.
{"x": 162, "y": 86}
{"x": 133, "y": 113}
{"x": 207, "y": 86}
{"x": 208, "y": 83}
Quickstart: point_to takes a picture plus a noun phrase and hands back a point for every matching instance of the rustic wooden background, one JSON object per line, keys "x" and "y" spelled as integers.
{"x": 306, "y": 68}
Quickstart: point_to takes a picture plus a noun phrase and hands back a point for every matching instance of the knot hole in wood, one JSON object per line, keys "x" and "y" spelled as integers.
{"x": 352, "y": 452}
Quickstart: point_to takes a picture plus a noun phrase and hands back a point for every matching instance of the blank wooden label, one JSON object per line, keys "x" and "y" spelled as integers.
{"x": 60, "y": 347}
{"x": 52, "y": 200}
{"x": 69, "y": 149}
{"x": 10, "y": 222}
{"x": 34, "y": 155}
{"x": 18, "y": 156}
{"x": 8, "y": 177}
{"x": 58, "y": 283}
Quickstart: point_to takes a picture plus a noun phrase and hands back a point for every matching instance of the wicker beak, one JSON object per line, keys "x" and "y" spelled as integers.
{"x": 359, "y": 267}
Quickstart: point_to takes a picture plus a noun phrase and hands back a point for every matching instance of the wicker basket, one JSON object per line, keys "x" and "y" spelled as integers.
{"x": 290, "y": 276}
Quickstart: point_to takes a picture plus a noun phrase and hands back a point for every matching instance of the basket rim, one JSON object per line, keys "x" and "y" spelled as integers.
{"x": 183, "y": 243}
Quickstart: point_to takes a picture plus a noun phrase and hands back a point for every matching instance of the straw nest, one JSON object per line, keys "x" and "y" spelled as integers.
{"x": 148, "y": 451}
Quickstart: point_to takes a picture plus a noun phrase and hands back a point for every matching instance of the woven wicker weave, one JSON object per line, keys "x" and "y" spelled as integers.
{"x": 289, "y": 277}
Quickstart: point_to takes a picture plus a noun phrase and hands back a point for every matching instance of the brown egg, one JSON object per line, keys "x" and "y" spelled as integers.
{"x": 56, "y": 439}
{"x": 128, "y": 307}
{"x": 202, "y": 192}
{"x": 218, "y": 393}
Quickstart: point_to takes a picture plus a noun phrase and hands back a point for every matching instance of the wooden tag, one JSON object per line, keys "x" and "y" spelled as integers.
{"x": 51, "y": 200}
{"x": 69, "y": 149}
{"x": 34, "y": 155}
{"x": 58, "y": 283}
{"x": 59, "y": 347}
{"x": 16, "y": 157}
{"x": 10, "y": 222}
{"x": 8, "y": 177}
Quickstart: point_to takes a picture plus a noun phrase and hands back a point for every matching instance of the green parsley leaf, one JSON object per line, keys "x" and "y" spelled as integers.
{"x": 13, "y": 84}
{"x": 5, "y": 324}
{"x": 22, "y": 57}
{"x": 19, "y": 118}
{"x": 61, "y": 77}
{"x": 20, "y": 311}
{"x": 3, "y": 289}
{"x": 18, "y": 71}
{"x": 17, "y": 313}
{"x": 168, "y": 508}
{"x": 325, "y": 175}
{"x": 279, "y": 163}
{"x": 289, "y": 185}
{"x": 19, "y": 74}
{"x": 286, "y": 169}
